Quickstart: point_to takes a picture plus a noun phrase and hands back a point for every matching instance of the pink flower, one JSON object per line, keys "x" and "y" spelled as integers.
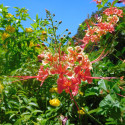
{"x": 63, "y": 119}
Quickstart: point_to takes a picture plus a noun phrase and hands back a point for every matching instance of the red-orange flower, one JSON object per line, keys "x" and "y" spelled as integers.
{"x": 42, "y": 74}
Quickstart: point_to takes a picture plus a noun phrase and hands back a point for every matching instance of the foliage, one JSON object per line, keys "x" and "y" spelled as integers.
{"x": 71, "y": 86}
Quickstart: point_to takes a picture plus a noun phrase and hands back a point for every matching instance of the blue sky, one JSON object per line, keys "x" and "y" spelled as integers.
{"x": 71, "y": 12}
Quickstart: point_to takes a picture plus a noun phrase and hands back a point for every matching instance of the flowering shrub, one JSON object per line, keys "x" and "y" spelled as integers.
{"x": 51, "y": 79}
{"x": 71, "y": 68}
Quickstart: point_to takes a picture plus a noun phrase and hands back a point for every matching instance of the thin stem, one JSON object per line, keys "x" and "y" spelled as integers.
{"x": 94, "y": 118}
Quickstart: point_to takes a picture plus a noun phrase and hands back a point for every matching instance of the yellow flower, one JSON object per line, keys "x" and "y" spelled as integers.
{"x": 81, "y": 93}
{"x": 81, "y": 112}
{"x": 29, "y": 30}
{"x": 44, "y": 32}
{"x": 54, "y": 102}
{"x": 5, "y": 35}
{"x": 1, "y": 88}
{"x": 10, "y": 29}
{"x": 53, "y": 89}
{"x": 9, "y": 15}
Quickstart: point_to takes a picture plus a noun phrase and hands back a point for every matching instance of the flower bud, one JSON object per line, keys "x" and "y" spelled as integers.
{"x": 76, "y": 43}
{"x": 73, "y": 37}
{"x": 55, "y": 27}
{"x": 40, "y": 61}
{"x": 69, "y": 32}
{"x": 43, "y": 44}
{"x": 38, "y": 45}
{"x": 69, "y": 43}
{"x": 45, "y": 48}
{"x": 40, "y": 57}
{"x": 61, "y": 38}
{"x": 60, "y": 22}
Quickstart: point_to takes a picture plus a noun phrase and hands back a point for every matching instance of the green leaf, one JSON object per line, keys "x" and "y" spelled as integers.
{"x": 37, "y": 17}
{"x": 12, "y": 116}
{"x": 29, "y": 108}
{"x": 14, "y": 102}
{"x": 43, "y": 122}
{"x": 102, "y": 84}
{"x": 7, "y": 124}
{"x": 25, "y": 113}
{"x": 93, "y": 111}
{"x": 114, "y": 2}
{"x": 92, "y": 91}
{"x": 37, "y": 111}
{"x": 33, "y": 104}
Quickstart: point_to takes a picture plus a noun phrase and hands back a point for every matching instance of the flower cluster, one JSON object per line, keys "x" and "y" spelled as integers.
{"x": 102, "y": 27}
{"x": 54, "y": 102}
{"x": 113, "y": 19}
{"x": 71, "y": 68}
{"x": 29, "y": 30}
{"x": 113, "y": 11}
{"x": 5, "y": 36}
{"x": 10, "y": 29}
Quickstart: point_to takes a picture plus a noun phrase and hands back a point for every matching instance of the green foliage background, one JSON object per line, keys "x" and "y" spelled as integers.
{"x": 26, "y": 103}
